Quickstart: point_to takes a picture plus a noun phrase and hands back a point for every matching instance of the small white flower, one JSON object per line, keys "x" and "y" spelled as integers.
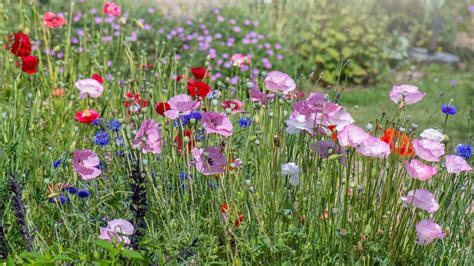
{"x": 432, "y": 134}
{"x": 293, "y": 171}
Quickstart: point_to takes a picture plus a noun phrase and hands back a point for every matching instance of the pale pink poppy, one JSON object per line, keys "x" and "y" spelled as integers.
{"x": 240, "y": 60}
{"x": 374, "y": 147}
{"x": 428, "y": 150}
{"x": 257, "y": 96}
{"x": 216, "y": 123}
{"x": 112, "y": 9}
{"x": 148, "y": 137}
{"x": 209, "y": 161}
{"x": 181, "y": 104}
{"x": 456, "y": 164}
{"x": 86, "y": 164}
{"x": 315, "y": 103}
{"x": 89, "y": 87}
{"x": 422, "y": 199}
{"x": 352, "y": 135}
{"x": 427, "y": 231}
{"x": 409, "y": 93}
{"x": 296, "y": 123}
{"x": 277, "y": 81}
{"x": 234, "y": 106}
{"x": 118, "y": 229}
{"x": 420, "y": 171}
{"x": 52, "y": 20}
{"x": 337, "y": 116}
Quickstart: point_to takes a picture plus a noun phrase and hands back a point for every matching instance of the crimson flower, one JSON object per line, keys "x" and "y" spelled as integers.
{"x": 29, "y": 64}
{"x": 18, "y": 44}
{"x": 162, "y": 107}
{"x": 134, "y": 104}
{"x": 198, "y": 72}
{"x": 198, "y": 88}
{"x": 98, "y": 78}
{"x": 86, "y": 116}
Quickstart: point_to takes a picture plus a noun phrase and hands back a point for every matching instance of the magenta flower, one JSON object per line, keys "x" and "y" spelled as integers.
{"x": 352, "y": 135}
{"x": 422, "y": 199}
{"x": 112, "y": 9}
{"x": 456, "y": 164}
{"x": 277, "y": 81}
{"x": 117, "y": 229}
{"x": 89, "y": 87}
{"x": 257, "y": 96}
{"x": 85, "y": 163}
{"x": 216, "y": 123}
{"x": 428, "y": 150}
{"x": 420, "y": 171}
{"x": 181, "y": 104}
{"x": 209, "y": 161}
{"x": 315, "y": 103}
{"x": 234, "y": 106}
{"x": 427, "y": 231}
{"x": 148, "y": 137}
{"x": 374, "y": 147}
{"x": 408, "y": 93}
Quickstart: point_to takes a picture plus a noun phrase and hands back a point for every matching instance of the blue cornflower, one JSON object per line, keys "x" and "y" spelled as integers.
{"x": 245, "y": 122}
{"x": 61, "y": 199}
{"x": 97, "y": 121}
{"x": 72, "y": 190}
{"x": 114, "y": 125}
{"x": 102, "y": 138}
{"x": 84, "y": 193}
{"x": 56, "y": 163}
{"x": 196, "y": 115}
{"x": 119, "y": 141}
{"x": 448, "y": 109}
{"x": 464, "y": 150}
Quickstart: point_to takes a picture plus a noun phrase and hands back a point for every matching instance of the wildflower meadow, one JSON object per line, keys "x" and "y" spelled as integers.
{"x": 234, "y": 134}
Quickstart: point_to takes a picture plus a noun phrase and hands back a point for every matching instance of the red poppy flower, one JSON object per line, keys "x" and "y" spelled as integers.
{"x": 239, "y": 220}
{"x": 98, "y": 78}
{"x": 86, "y": 116}
{"x": 162, "y": 107}
{"x": 29, "y": 64}
{"x": 198, "y": 72}
{"x": 179, "y": 78}
{"x": 400, "y": 143}
{"x": 135, "y": 104}
{"x": 19, "y": 44}
{"x": 333, "y": 130}
{"x": 177, "y": 140}
{"x": 224, "y": 207}
{"x": 198, "y": 88}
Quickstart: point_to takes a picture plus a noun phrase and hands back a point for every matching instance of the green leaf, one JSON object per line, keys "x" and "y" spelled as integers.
{"x": 104, "y": 244}
{"x": 62, "y": 257}
{"x": 132, "y": 254}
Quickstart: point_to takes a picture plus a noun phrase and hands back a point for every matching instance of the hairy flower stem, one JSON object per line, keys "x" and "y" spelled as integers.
{"x": 19, "y": 210}
{"x": 139, "y": 204}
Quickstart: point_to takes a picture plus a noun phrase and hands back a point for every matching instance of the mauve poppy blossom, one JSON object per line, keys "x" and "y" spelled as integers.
{"x": 427, "y": 231}
{"x": 297, "y": 123}
{"x": 198, "y": 88}
{"x": 181, "y": 104}
{"x": 86, "y": 116}
{"x": 326, "y": 148}
{"x": 374, "y": 147}
{"x": 277, "y": 81}
{"x": 422, "y": 199}
{"x": 428, "y": 150}
{"x": 216, "y": 123}
{"x": 315, "y": 103}
{"x": 209, "y": 161}
{"x": 234, "y": 106}
{"x": 89, "y": 87}
{"x": 257, "y": 96}
{"x": 162, "y": 107}
{"x": 19, "y": 44}
{"x": 352, "y": 135}
{"x": 118, "y": 229}
{"x": 420, "y": 171}
{"x": 409, "y": 93}
{"x": 112, "y": 9}
{"x": 86, "y": 163}
{"x": 198, "y": 72}
{"x": 334, "y": 114}
{"x": 29, "y": 64}
{"x": 456, "y": 164}
{"x": 52, "y": 20}
{"x": 148, "y": 137}
{"x": 432, "y": 134}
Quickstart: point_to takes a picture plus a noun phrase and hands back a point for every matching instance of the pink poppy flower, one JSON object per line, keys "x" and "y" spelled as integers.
{"x": 374, "y": 147}
{"x": 181, "y": 104}
{"x": 240, "y": 60}
{"x": 209, "y": 161}
{"x": 216, "y": 123}
{"x": 409, "y": 93}
{"x": 89, "y": 87}
{"x": 456, "y": 164}
{"x": 422, "y": 199}
{"x": 257, "y": 96}
{"x": 428, "y": 150}
{"x": 112, "y": 9}
{"x": 234, "y": 106}
{"x": 52, "y": 20}
{"x": 352, "y": 135}
{"x": 420, "y": 171}
{"x": 277, "y": 81}
{"x": 427, "y": 231}
{"x": 148, "y": 137}
{"x": 85, "y": 163}
{"x": 117, "y": 229}
{"x": 334, "y": 114}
